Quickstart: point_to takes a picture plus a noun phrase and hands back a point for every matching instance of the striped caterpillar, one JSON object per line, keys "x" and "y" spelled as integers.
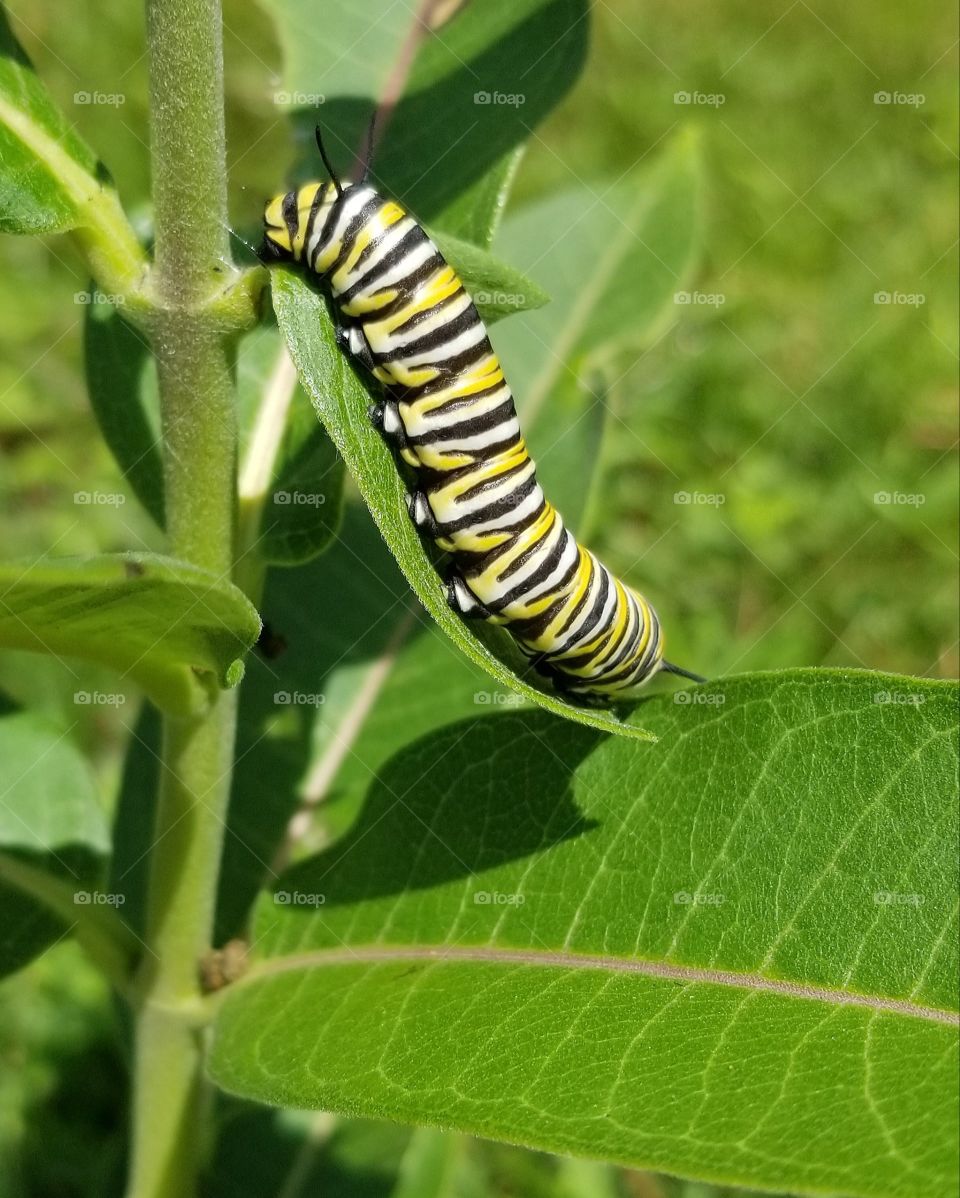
{"x": 447, "y": 409}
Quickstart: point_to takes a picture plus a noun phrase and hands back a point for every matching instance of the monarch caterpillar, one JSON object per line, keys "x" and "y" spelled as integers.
{"x": 447, "y": 408}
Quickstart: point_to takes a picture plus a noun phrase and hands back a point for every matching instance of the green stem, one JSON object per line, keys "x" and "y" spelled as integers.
{"x": 193, "y": 356}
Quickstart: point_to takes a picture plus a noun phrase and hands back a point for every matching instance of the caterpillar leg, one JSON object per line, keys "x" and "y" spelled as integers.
{"x": 351, "y": 340}
{"x": 385, "y": 418}
{"x": 422, "y": 515}
{"x": 464, "y": 602}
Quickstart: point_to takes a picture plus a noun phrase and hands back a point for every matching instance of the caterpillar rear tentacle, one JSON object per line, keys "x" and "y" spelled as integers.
{"x": 449, "y": 412}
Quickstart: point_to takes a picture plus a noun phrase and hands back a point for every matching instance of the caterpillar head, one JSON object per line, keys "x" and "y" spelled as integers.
{"x": 286, "y": 217}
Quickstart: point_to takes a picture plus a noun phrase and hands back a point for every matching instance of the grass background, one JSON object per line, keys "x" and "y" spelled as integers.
{"x": 793, "y": 399}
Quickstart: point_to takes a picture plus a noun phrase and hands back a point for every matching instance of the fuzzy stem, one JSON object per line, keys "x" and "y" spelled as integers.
{"x": 192, "y": 350}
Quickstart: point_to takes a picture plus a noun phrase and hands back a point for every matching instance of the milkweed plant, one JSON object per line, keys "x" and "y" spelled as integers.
{"x": 364, "y": 870}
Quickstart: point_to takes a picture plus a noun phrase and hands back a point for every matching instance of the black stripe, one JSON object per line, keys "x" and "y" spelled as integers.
{"x": 438, "y": 337}
{"x": 410, "y": 395}
{"x": 333, "y": 215}
{"x": 312, "y": 216}
{"x": 589, "y": 628}
{"x": 525, "y": 589}
{"x": 404, "y": 288}
{"x": 291, "y": 214}
{"x": 426, "y": 313}
{"x": 484, "y": 423}
{"x": 484, "y": 484}
{"x": 537, "y": 549}
{"x": 365, "y": 213}
{"x": 478, "y": 521}
{"x": 407, "y": 243}
{"x": 453, "y": 367}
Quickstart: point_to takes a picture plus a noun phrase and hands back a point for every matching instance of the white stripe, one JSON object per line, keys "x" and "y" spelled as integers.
{"x": 450, "y": 349}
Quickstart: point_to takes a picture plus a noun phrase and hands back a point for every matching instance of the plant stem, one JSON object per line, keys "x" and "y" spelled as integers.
{"x": 192, "y": 350}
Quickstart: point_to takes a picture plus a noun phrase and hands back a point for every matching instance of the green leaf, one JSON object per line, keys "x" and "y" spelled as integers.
{"x": 496, "y": 288}
{"x": 449, "y": 152}
{"x": 613, "y": 257}
{"x": 341, "y": 402}
{"x": 349, "y": 52}
{"x": 50, "y": 180}
{"x": 705, "y": 956}
{"x": 446, "y": 155}
{"x": 296, "y": 710}
{"x": 122, "y": 387}
{"x": 53, "y": 837}
{"x": 175, "y": 630}
{"x": 47, "y": 172}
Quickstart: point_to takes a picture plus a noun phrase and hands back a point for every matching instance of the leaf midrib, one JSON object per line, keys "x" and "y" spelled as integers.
{"x": 661, "y": 970}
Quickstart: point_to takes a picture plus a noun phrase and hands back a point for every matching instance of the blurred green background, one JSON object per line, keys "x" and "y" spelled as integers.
{"x": 784, "y": 398}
